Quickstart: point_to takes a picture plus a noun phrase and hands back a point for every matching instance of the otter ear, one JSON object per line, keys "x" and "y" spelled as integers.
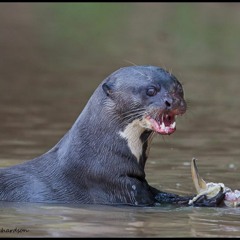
{"x": 107, "y": 88}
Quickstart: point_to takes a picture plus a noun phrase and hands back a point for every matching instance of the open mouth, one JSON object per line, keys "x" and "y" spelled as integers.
{"x": 164, "y": 124}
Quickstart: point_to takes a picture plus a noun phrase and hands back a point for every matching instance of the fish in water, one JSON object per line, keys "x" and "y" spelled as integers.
{"x": 212, "y": 191}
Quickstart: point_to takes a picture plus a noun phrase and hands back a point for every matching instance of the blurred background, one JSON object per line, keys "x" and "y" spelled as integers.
{"x": 54, "y": 55}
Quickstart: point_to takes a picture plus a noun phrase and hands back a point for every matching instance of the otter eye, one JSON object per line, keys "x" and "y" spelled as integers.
{"x": 152, "y": 91}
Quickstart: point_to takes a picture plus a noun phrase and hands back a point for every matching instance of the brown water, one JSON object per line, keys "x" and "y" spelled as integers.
{"x": 53, "y": 56}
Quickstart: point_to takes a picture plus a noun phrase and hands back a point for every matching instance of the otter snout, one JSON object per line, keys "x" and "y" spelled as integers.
{"x": 176, "y": 105}
{"x": 168, "y": 103}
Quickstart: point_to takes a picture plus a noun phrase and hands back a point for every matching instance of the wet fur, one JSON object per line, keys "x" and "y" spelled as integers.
{"x": 92, "y": 163}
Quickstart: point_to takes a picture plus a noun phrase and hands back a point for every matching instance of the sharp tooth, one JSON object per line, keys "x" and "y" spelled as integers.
{"x": 162, "y": 117}
{"x": 173, "y": 125}
{"x": 163, "y": 125}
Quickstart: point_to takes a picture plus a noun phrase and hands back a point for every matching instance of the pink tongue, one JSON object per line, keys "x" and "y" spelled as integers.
{"x": 155, "y": 125}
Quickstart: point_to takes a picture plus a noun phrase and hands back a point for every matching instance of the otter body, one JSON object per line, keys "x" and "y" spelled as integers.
{"x": 101, "y": 159}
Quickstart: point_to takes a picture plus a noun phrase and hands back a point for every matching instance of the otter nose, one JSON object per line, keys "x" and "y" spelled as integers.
{"x": 168, "y": 102}
{"x": 175, "y": 104}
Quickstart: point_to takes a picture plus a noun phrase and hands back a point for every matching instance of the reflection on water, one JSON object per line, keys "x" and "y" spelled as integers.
{"x": 52, "y": 59}
{"x": 100, "y": 221}
{"x": 219, "y": 222}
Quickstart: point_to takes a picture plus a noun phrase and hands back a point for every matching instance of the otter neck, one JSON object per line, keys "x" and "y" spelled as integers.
{"x": 98, "y": 128}
{"x": 138, "y": 140}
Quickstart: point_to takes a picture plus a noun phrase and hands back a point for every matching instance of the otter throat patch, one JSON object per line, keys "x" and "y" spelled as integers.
{"x": 132, "y": 133}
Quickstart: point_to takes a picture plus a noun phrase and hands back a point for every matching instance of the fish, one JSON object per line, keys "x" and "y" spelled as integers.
{"x": 211, "y": 189}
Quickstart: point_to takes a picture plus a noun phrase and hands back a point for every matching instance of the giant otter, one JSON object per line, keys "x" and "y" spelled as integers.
{"x": 101, "y": 159}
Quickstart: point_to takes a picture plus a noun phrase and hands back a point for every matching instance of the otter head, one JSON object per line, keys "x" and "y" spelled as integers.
{"x": 146, "y": 93}
{"x": 145, "y": 100}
